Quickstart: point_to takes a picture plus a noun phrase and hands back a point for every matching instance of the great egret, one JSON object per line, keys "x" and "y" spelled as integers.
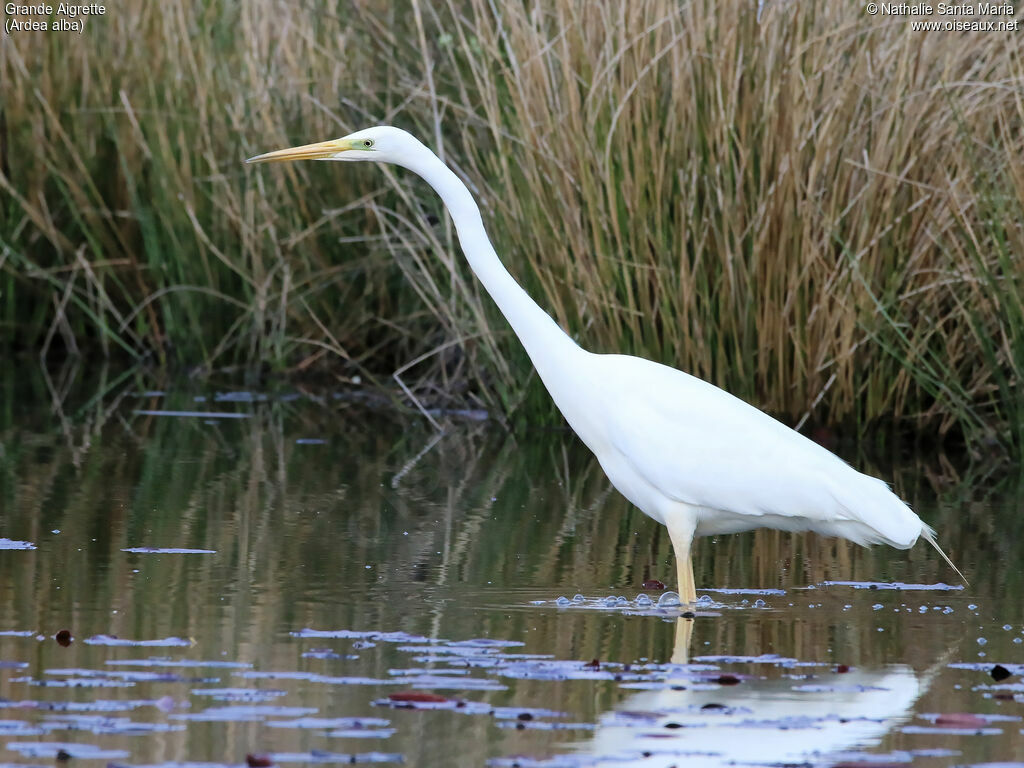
{"x": 687, "y": 453}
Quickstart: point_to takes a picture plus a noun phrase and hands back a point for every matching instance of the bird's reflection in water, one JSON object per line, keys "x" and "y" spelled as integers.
{"x": 772, "y": 721}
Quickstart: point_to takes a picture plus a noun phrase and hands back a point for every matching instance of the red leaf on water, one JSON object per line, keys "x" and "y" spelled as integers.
{"x": 652, "y": 584}
{"x": 420, "y": 697}
{"x": 258, "y": 761}
{"x": 961, "y": 720}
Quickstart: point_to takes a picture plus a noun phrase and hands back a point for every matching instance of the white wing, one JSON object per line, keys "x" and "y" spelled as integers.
{"x": 699, "y": 445}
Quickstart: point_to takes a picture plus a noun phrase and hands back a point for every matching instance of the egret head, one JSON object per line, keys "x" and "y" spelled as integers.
{"x": 383, "y": 144}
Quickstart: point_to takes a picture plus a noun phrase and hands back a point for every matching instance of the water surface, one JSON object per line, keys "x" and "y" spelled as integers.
{"x": 301, "y": 581}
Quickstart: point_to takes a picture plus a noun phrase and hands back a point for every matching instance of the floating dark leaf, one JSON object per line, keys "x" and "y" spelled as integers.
{"x": 63, "y": 638}
{"x": 999, "y": 673}
{"x": 653, "y": 584}
{"x": 842, "y": 669}
{"x": 726, "y": 680}
{"x": 63, "y": 755}
{"x": 258, "y": 761}
{"x": 593, "y": 664}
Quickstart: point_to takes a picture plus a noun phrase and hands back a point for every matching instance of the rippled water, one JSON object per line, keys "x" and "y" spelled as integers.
{"x": 312, "y": 583}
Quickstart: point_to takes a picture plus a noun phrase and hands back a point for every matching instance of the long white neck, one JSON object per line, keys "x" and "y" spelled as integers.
{"x": 546, "y": 343}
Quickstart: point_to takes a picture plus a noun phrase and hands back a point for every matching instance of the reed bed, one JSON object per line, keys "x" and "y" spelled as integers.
{"x": 818, "y": 210}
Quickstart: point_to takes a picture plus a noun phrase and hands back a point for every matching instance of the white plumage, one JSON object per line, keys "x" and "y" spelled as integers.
{"x": 687, "y": 453}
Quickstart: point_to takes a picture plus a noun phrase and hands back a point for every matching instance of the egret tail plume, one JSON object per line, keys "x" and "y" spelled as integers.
{"x": 929, "y": 535}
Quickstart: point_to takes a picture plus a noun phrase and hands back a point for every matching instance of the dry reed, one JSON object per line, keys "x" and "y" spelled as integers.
{"x": 816, "y": 209}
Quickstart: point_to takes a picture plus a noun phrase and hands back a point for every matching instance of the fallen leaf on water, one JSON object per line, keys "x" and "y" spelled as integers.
{"x": 961, "y": 719}
{"x": 417, "y": 696}
{"x": 999, "y": 673}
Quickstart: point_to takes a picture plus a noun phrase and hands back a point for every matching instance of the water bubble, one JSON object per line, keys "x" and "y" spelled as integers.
{"x": 670, "y": 600}
{"x": 704, "y": 600}
{"x": 1017, "y": 640}
{"x": 880, "y": 629}
{"x": 562, "y": 601}
{"x": 644, "y": 600}
{"x": 982, "y": 641}
{"x": 760, "y": 603}
{"x": 1007, "y": 627}
{"x": 971, "y": 607}
{"x": 620, "y": 600}
{"x": 923, "y": 609}
{"x": 578, "y": 598}
{"x": 609, "y": 601}
{"x": 947, "y": 610}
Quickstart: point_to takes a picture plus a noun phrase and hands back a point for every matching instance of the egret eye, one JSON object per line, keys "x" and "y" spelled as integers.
{"x": 368, "y": 143}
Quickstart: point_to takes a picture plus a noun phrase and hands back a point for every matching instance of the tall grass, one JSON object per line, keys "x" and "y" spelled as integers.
{"x": 818, "y": 210}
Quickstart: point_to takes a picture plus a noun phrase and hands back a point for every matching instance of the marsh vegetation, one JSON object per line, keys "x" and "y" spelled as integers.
{"x": 818, "y": 210}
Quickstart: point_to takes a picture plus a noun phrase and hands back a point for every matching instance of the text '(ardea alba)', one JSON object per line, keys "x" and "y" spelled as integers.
{"x": 687, "y": 453}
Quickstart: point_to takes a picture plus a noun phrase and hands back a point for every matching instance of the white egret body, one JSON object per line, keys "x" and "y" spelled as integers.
{"x": 687, "y": 453}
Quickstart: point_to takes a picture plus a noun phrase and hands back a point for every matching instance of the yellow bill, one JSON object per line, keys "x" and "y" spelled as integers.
{"x": 322, "y": 150}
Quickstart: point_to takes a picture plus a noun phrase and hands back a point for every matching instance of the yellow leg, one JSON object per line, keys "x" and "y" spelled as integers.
{"x": 680, "y": 530}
